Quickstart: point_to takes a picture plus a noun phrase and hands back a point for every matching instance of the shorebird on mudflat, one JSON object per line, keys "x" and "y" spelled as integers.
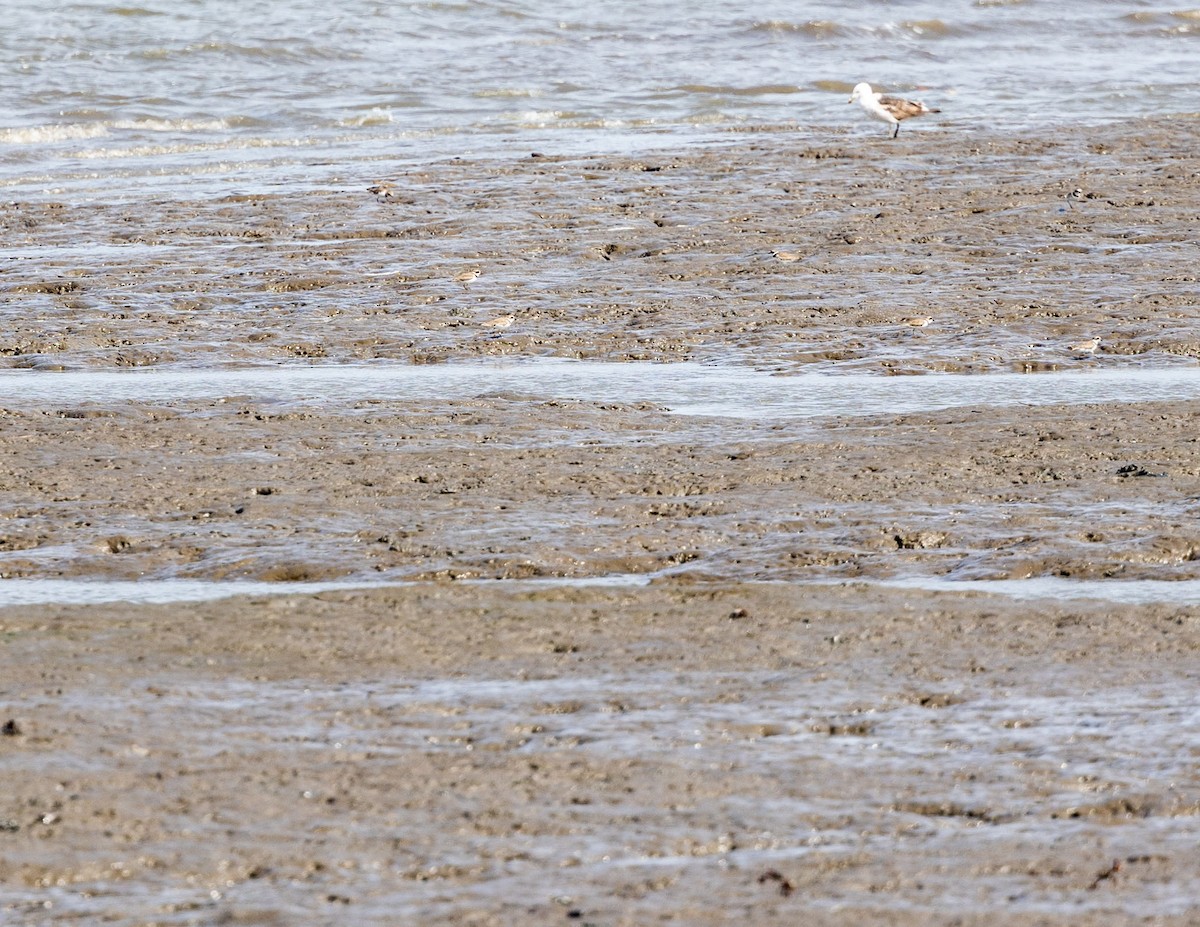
{"x": 891, "y": 110}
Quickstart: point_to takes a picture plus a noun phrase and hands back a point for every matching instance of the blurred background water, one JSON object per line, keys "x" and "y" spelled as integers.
{"x": 111, "y": 97}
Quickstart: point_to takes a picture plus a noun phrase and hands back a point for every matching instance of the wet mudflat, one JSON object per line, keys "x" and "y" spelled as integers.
{"x": 675, "y": 753}
{"x": 780, "y": 247}
{"x": 730, "y": 740}
{"x": 504, "y": 486}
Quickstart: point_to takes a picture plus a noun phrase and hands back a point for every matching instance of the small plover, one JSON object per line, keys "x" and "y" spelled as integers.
{"x": 891, "y": 110}
{"x": 1075, "y": 196}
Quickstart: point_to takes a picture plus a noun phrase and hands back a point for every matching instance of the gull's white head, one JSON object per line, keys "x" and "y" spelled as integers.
{"x": 861, "y": 92}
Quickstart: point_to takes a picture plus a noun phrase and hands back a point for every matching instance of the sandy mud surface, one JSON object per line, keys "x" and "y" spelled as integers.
{"x": 729, "y": 742}
{"x": 497, "y": 487}
{"x": 456, "y": 753}
{"x": 781, "y": 247}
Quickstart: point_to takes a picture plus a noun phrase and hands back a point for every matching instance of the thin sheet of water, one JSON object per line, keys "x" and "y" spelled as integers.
{"x": 687, "y": 388}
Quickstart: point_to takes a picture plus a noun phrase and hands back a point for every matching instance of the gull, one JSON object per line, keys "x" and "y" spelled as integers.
{"x": 888, "y": 109}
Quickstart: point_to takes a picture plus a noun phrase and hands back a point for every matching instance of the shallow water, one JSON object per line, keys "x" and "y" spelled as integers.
{"x": 1125, "y": 592}
{"x": 15, "y": 592}
{"x": 686, "y": 388}
{"x": 163, "y": 591}
{"x": 114, "y": 100}
{"x": 149, "y": 592}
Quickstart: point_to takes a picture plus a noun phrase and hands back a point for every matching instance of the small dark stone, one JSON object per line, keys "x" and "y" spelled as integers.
{"x": 10, "y": 728}
{"x": 1135, "y": 470}
{"x": 774, "y": 875}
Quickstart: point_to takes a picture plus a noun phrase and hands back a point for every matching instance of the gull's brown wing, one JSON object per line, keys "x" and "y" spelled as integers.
{"x": 902, "y": 109}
